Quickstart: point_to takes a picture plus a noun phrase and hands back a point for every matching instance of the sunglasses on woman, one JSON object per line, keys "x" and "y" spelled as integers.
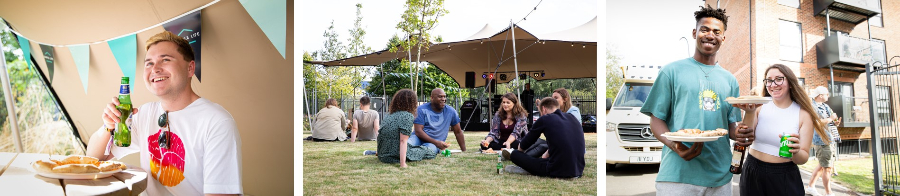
{"x": 163, "y": 139}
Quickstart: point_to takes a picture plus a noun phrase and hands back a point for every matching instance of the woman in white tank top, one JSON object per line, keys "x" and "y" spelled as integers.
{"x": 790, "y": 113}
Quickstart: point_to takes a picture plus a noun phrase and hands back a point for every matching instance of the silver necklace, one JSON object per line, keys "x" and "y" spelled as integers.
{"x": 704, "y": 72}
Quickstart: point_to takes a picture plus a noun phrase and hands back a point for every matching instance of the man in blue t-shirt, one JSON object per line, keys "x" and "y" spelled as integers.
{"x": 690, "y": 94}
{"x": 434, "y": 121}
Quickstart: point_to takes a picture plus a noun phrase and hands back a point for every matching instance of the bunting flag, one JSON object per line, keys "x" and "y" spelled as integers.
{"x": 125, "y": 51}
{"x": 271, "y": 17}
{"x": 82, "y": 56}
{"x": 48, "y": 58}
{"x": 26, "y": 49}
{"x": 188, "y": 27}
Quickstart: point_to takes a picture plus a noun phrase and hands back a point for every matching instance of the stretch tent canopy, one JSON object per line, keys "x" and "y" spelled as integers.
{"x": 570, "y": 53}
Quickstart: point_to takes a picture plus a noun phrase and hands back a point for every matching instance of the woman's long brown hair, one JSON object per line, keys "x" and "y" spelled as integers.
{"x": 799, "y": 96}
{"x": 517, "y": 109}
{"x": 567, "y": 100}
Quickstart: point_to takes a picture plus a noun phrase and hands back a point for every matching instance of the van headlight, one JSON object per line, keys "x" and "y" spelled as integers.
{"x": 611, "y": 127}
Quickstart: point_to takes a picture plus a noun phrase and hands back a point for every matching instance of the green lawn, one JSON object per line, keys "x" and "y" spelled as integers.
{"x": 339, "y": 168}
{"x": 855, "y": 174}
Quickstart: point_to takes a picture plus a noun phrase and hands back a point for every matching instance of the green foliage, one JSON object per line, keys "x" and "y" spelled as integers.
{"x": 614, "y": 77}
{"x": 418, "y": 20}
{"x": 396, "y": 76}
{"x": 42, "y": 126}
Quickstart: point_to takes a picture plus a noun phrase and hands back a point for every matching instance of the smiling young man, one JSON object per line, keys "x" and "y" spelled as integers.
{"x": 433, "y": 123}
{"x": 188, "y": 144}
{"x": 690, "y": 94}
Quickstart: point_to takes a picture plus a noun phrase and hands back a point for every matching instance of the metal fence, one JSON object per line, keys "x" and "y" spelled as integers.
{"x": 883, "y": 83}
{"x": 349, "y": 103}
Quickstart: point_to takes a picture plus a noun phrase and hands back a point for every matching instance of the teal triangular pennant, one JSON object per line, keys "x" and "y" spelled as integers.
{"x": 125, "y": 51}
{"x": 26, "y": 49}
{"x": 82, "y": 56}
{"x": 271, "y": 17}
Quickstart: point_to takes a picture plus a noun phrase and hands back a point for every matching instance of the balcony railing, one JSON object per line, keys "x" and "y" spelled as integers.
{"x": 854, "y": 111}
{"x": 845, "y": 52}
{"x": 852, "y": 11}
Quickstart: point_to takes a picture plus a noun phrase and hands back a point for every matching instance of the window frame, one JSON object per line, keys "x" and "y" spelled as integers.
{"x": 781, "y": 41}
{"x": 784, "y": 3}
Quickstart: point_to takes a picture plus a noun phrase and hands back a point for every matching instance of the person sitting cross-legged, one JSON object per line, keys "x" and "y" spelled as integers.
{"x": 565, "y": 139}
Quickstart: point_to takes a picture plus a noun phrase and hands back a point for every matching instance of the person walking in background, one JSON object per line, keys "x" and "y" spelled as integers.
{"x": 330, "y": 123}
{"x": 393, "y": 137}
{"x": 767, "y": 169}
{"x": 508, "y": 126}
{"x": 365, "y": 122}
{"x": 825, "y": 154}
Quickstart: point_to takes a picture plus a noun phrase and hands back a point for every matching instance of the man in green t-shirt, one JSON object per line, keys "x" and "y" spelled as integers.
{"x": 690, "y": 94}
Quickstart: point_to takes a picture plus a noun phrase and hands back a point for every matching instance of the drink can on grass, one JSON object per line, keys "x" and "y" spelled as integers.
{"x": 784, "y": 151}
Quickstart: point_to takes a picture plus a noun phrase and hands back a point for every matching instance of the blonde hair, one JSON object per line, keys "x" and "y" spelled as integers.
{"x": 183, "y": 46}
{"x": 567, "y": 101}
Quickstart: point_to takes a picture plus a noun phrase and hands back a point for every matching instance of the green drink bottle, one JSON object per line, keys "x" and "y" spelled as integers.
{"x": 784, "y": 151}
{"x": 499, "y": 164}
{"x": 122, "y": 137}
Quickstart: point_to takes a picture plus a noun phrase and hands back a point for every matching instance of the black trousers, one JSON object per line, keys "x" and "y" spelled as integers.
{"x": 497, "y": 146}
{"x": 535, "y": 166}
{"x": 537, "y": 149}
{"x": 761, "y": 178}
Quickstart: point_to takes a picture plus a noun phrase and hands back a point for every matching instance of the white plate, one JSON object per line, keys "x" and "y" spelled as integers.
{"x": 763, "y": 100}
{"x": 77, "y": 176}
{"x": 691, "y": 138}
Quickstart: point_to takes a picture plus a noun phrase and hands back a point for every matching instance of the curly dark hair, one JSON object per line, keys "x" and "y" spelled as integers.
{"x": 404, "y": 100}
{"x": 716, "y": 13}
{"x": 517, "y": 109}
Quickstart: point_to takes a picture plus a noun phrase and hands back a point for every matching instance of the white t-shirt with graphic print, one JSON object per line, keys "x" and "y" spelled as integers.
{"x": 204, "y": 154}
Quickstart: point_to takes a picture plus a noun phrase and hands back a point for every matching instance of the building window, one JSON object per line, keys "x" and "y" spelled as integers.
{"x": 844, "y": 89}
{"x": 802, "y": 82}
{"x": 790, "y": 3}
{"x": 877, "y": 19}
{"x": 878, "y": 53}
{"x": 791, "y": 42}
{"x": 883, "y": 105}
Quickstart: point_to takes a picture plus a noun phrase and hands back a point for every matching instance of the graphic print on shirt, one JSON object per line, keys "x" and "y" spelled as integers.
{"x": 167, "y": 165}
{"x": 708, "y": 99}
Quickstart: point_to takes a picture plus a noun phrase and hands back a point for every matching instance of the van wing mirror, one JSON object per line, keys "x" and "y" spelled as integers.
{"x": 609, "y": 103}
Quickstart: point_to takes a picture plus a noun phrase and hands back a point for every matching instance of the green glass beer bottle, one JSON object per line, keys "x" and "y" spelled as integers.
{"x": 499, "y": 164}
{"x": 122, "y": 137}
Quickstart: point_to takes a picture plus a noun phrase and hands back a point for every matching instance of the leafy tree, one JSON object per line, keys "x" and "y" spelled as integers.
{"x": 335, "y": 81}
{"x": 420, "y": 17}
{"x": 614, "y": 77}
{"x": 395, "y": 78}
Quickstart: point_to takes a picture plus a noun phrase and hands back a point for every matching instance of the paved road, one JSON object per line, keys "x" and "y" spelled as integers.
{"x": 639, "y": 180}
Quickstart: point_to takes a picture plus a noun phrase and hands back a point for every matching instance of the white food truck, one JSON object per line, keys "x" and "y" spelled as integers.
{"x": 628, "y": 136}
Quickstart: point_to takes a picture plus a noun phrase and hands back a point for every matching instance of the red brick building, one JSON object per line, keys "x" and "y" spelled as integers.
{"x": 793, "y": 32}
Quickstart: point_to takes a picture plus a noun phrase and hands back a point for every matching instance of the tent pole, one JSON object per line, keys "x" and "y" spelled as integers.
{"x": 10, "y": 105}
{"x": 515, "y": 61}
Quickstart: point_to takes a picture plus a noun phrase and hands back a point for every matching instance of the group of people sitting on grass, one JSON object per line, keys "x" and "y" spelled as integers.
{"x": 420, "y": 132}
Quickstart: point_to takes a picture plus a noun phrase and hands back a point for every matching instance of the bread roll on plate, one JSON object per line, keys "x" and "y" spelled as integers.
{"x": 77, "y": 168}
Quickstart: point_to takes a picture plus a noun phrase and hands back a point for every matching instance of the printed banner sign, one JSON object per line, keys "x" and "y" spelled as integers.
{"x": 188, "y": 27}
{"x": 48, "y": 59}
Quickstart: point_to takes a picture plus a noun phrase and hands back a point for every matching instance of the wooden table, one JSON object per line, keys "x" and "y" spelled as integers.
{"x": 18, "y": 180}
